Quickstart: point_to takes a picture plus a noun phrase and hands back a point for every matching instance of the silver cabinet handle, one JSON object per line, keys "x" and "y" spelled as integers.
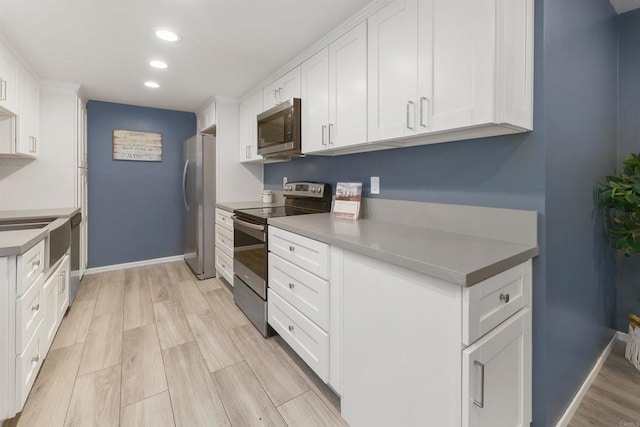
{"x": 292, "y": 248}
{"x": 480, "y": 403}
{"x": 35, "y": 307}
{"x": 35, "y": 264}
{"x": 35, "y": 359}
{"x": 422, "y": 108}
{"x": 291, "y": 285}
{"x": 409, "y": 104}
{"x": 280, "y": 95}
{"x": 330, "y": 132}
{"x": 505, "y": 298}
{"x": 3, "y": 89}
{"x": 275, "y": 96}
{"x": 184, "y": 185}
{"x": 290, "y": 327}
{"x": 324, "y": 129}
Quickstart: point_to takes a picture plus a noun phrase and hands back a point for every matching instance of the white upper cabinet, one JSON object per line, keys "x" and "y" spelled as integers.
{"x": 393, "y": 70}
{"x": 458, "y": 69}
{"x": 8, "y": 81}
{"x": 286, "y": 87}
{"x": 249, "y": 110}
{"x": 29, "y": 114}
{"x": 206, "y": 118}
{"x": 334, "y": 94}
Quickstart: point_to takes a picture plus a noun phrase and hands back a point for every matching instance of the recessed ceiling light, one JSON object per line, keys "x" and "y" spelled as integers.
{"x": 156, "y": 63}
{"x": 169, "y": 36}
{"x": 152, "y": 84}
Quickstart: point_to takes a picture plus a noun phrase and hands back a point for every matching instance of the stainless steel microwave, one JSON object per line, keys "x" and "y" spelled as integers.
{"x": 279, "y": 130}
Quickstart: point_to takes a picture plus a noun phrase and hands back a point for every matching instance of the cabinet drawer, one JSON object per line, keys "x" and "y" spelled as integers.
{"x": 27, "y": 366}
{"x": 30, "y": 266}
{"x": 303, "y": 290}
{"x": 29, "y": 314}
{"x": 309, "y": 254}
{"x": 309, "y": 341}
{"x": 224, "y": 265}
{"x": 224, "y": 240}
{"x": 492, "y": 301}
{"x": 223, "y": 218}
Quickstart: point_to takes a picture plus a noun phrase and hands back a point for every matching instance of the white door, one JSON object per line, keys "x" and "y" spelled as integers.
{"x": 289, "y": 85}
{"x": 8, "y": 81}
{"x": 348, "y": 88}
{"x": 463, "y": 62}
{"x": 50, "y": 301}
{"x": 393, "y": 69}
{"x": 425, "y": 66}
{"x": 245, "y": 130}
{"x": 315, "y": 102}
{"x": 496, "y": 376}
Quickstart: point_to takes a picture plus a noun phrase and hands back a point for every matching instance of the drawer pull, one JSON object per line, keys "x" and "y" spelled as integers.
{"x": 292, "y": 248}
{"x": 505, "y": 298}
{"x": 480, "y": 403}
{"x": 35, "y": 359}
{"x": 291, "y": 328}
{"x": 291, "y": 285}
{"x": 35, "y": 264}
{"x": 222, "y": 240}
{"x": 224, "y": 266}
{"x": 35, "y": 307}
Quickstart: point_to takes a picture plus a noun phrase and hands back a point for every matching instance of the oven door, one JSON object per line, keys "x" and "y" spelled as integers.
{"x": 250, "y": 254}
{"x": 279, "y": 130}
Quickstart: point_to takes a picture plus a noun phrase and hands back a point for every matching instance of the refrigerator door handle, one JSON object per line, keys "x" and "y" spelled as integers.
{"x": 184, "y": 185}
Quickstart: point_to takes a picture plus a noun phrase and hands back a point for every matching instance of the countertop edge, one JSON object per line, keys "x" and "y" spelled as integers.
{"x": 25, "y": 214}
{"x": 462, "y": 279}
{"x": 22, "y": 248}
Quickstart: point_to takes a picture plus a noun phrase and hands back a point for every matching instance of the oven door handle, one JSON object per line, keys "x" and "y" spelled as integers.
{"x": 242, "y": 223}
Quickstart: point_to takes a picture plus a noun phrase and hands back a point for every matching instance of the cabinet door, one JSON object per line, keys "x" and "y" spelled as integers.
{"x": 315, "y": 102}
{"x": 50, "y": 302}
{"x": 425, "y": 66}
{"x": 8, "y": 81}
{"x": 289, "y": 85}
{"x": 29, "y": 114}
{"x": 496, "y": 376}
{"x": 245, "y": 130}
{"x": 270, "y": 95}
{"x": 393, "y": 69}
{"x": 256, "y": 108}
{"x": 348, "y": 88}
{"x": 63, "y": 277}
{"x": 463, "y": 62}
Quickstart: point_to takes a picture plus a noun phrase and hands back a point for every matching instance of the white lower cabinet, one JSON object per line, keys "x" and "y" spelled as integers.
{"x": 400, "y": 347}
{"x": 224, "y": 244}
{"x": 33, "y": 301}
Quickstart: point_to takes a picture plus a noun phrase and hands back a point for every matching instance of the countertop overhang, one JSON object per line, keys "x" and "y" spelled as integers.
{"x": 456, "y": 258}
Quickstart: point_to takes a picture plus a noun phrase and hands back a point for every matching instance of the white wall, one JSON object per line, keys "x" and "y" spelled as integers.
{"x": 48, "y": 181}
{"x": 237, "y": 182}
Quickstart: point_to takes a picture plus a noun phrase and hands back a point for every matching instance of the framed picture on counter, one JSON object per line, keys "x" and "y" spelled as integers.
{"x": 348, "y": 200}
{"x": 137, "y": 145}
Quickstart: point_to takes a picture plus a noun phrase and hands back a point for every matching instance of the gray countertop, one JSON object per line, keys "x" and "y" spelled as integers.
{"x": 38, "y": 213}
{"x": 19, "y": 241}
{"x": 16, "y": 242}
{"x": 457, "y": 258}
{"x": 231, "y": 206}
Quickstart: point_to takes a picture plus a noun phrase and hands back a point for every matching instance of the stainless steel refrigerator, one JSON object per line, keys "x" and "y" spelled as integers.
{"x": 199, "y": 198}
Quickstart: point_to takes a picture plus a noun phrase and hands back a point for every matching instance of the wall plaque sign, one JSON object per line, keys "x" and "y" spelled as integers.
{"x": 136, "y": 145}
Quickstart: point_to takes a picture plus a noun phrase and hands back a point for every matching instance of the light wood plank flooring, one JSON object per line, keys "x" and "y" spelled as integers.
{"x": 613, "y": 400}
{"x": 154, "y": 347}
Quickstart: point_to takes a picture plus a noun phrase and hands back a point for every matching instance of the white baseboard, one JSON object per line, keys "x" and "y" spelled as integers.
{"x": 142, "y": 263}
{"x": 623, "y": 336}
{"x": 577, "y": 399}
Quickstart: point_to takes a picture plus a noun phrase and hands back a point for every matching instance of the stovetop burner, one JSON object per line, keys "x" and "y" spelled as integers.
{"x": 300, "y": 198}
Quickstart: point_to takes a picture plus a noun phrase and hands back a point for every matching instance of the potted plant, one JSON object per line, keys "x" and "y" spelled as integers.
{"x": 619, "y": 198}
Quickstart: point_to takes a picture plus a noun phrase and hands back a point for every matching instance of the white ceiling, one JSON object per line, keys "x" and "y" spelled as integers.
{"x": 228, "y": 46}
{"x": 622, "y": 6}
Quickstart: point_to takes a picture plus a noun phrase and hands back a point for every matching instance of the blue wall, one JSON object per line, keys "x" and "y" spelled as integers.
{"x": 551, "y": 170}
{"x": 135, "y": 208}
{"x": 629, "y": 142}
{"x": 581, "y": 79}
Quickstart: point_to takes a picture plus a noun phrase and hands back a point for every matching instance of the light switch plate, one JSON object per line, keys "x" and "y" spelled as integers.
{"x": 375, "y": 185}
{"x": 284, "y": 181}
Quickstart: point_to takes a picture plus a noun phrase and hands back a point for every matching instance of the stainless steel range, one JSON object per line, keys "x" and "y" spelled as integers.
{"x": 251, "y": 247}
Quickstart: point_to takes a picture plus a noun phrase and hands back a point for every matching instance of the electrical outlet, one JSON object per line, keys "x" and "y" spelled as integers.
{"x": 375, "y": 185}
{"x": 284, "y": 181}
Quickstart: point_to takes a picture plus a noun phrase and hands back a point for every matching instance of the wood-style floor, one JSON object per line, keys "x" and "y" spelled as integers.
{"x": 153, "y": 346}
{"x": 613, "y": 400}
